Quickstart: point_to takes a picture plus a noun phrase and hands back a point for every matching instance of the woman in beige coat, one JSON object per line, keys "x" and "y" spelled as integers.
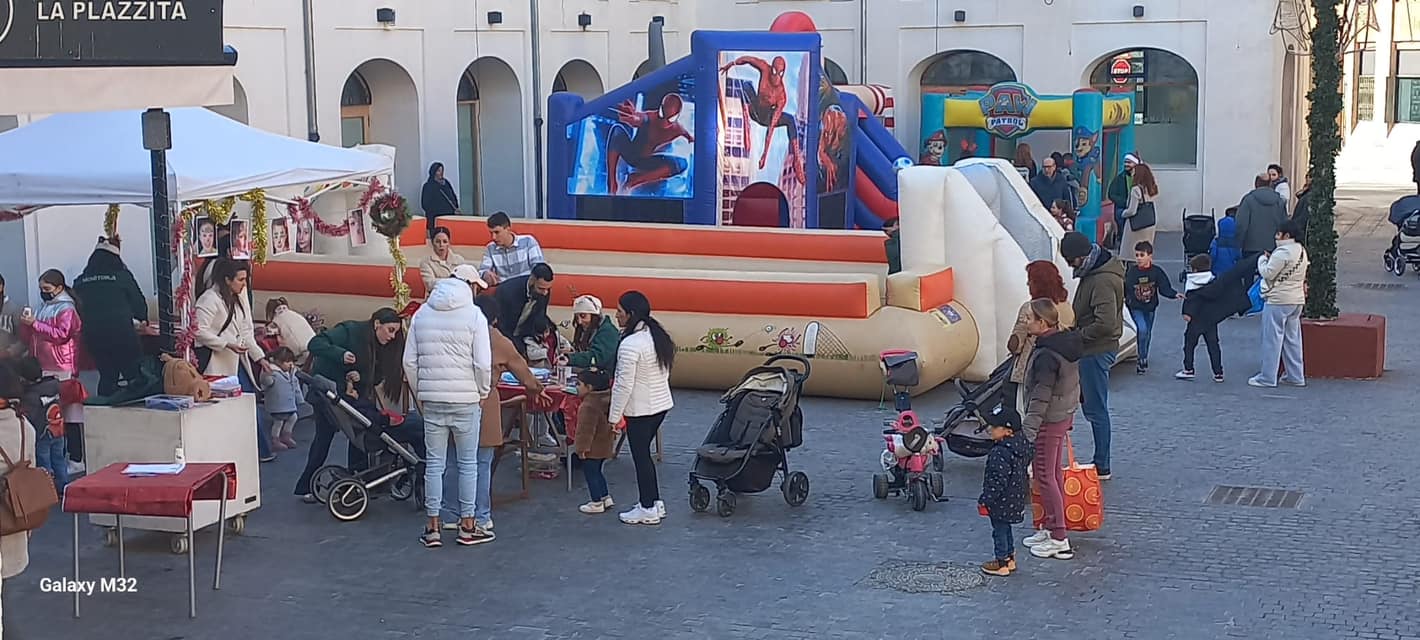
{"x": 1145, "y": 191}
{"x": 441, "y": 262}
{"x": 1044, "y": 281}
{"x": 14, "y": 434}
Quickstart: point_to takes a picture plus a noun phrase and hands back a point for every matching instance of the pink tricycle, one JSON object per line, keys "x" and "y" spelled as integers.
{"x": 912, "y": 459}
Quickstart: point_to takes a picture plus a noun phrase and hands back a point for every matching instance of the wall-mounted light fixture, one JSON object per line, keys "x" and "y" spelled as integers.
{"x": 495, "y": 17}
{"x": 1138, "y": 10}
{"x": 584, "y": 20}
{"x": 384, "y": 16}
{"x": 959, "y": 16}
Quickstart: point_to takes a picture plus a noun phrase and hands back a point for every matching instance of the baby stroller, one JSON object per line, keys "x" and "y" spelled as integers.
{"x": 751, "y": 438}
{"x": 346, "y": 492}
{"x": 1199, "y": 230}
{"x": 967, "y": 424}
{"x": 1405, "y": 246}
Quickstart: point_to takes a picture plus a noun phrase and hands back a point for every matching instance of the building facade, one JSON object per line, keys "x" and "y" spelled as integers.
{"x": 465, "y": 82}
{"x": 1382, "y": 91}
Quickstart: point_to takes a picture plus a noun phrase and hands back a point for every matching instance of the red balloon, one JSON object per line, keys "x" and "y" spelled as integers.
{"x": 793, "y": 22}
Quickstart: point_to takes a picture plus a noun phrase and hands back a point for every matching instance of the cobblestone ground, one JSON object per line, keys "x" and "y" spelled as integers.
{"x": 1166, "y": 565}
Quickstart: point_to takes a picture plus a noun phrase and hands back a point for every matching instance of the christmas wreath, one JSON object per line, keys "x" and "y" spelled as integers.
{"x": 389, "y": 214}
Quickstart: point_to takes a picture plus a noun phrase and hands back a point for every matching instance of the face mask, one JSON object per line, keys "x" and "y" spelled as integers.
{"x": 46, "y": 296}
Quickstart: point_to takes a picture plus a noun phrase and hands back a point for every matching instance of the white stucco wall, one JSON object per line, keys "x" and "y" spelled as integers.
{"x": 1050, "y": 46}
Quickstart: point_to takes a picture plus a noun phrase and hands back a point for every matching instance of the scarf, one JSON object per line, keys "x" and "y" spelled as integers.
{"x": 1091, "y": 261}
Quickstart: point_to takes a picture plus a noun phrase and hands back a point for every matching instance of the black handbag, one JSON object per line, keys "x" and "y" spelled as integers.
{"x": 1144, "y": 217}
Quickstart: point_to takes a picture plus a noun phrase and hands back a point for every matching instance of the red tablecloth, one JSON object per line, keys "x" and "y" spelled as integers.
{"x": 109, "y": 491}
{"x": 535, "y": 405}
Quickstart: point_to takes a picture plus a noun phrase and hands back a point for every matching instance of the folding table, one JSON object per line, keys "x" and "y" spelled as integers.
{"x": 110, "y": 491}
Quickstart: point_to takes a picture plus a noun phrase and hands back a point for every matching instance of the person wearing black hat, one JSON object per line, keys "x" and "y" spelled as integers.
{"x": 111, "y": 306}
{"x": 1099, "y": 316}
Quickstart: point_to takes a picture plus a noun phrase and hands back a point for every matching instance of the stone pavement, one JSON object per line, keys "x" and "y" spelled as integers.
{"x": 1166, "y": 564}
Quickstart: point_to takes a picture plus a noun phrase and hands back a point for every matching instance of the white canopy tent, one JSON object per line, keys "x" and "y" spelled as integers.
{"x": 98, "y": 159}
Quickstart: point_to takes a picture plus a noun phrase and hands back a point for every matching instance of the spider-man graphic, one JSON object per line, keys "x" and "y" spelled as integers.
{"x": 639, "y": 139}
{"x": 765, "y": 104}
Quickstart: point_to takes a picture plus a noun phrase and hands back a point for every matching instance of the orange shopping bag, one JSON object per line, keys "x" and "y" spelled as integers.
{"x": 1084, "y": 502}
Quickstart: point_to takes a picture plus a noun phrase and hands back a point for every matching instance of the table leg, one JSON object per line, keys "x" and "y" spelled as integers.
{"x": 221, "y": 533}
{"x": 76, "y": 564}
{"x": 191, "y": 570}
{"x": 122, "y": 561}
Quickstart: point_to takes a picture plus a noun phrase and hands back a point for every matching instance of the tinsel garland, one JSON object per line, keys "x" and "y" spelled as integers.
{"x": 401, "y": 288}
{"x": 220, "y": 211}
{"x": 183, "y": 296}
{"x": 300, "y": 211}
{"x": 260, "y": 230}
{"x": 111, "y": 221}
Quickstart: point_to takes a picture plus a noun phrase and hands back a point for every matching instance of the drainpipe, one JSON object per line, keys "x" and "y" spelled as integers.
{"x": 308, "y": 32}
{"x": 862, "y": 41}
{"x": 537, "y": 109}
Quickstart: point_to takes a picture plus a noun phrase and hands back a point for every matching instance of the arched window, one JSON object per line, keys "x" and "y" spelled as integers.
{"x": 1165, "y": 90}
{"x": 356, "y": 92}
{"x": 643, "y": 69}
{"x": 957, "y": 72}
{"x": 468, "y": 87}
{"x": 559, "y": 84}
{"x": 836, "y": 74}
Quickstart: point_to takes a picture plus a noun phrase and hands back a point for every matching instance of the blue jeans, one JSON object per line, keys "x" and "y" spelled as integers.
{"x": 596, "y": 480}
{"x": 483, "y": 512}
{"x": 1001, "y": 539}
{"x": 1282, "y": 340}
{"x": 1094, "y": 396}
{"x": 263, "y": 421}
{"x": 462, "y": 421}
{"x": 1144, "y": 325}
{"x": 51, "y": 455}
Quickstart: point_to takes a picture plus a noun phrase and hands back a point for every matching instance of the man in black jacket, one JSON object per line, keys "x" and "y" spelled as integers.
{"x": 1050, "y": 184}
{"x": 110, "y": 302}
{"x": 522, "y": 299}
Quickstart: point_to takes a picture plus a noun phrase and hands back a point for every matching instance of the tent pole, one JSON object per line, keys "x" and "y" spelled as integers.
{"x": 157, "y": 139}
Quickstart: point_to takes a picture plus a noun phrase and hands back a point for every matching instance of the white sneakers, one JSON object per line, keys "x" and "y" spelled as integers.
{"x": 1052, "y": 548}
{"x": 660, "y": 508}
{"x": 597, "y": 506}
{"x": 1039, "y": 538}
{"x": 642, "y": 515}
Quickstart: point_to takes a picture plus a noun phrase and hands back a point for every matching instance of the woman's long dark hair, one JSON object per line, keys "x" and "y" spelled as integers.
{"x": 387, "y": 366}
{"x": 638, "y": 312}
{"x": 224, "y": 271}
{"x": 55, "y": 277}
{"x": 434, "y": 168}
{"x": 582, "y": 336}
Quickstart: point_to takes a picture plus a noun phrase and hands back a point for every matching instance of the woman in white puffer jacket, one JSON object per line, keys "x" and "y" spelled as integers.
{"x": 641, "y": 393}
{"x": 448, "y": 362}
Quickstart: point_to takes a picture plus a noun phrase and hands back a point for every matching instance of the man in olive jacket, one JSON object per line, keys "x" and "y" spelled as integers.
{"x": 1099, "y": 316}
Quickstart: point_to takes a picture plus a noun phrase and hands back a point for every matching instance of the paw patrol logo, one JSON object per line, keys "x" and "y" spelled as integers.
{"x": 1007, "y": 108}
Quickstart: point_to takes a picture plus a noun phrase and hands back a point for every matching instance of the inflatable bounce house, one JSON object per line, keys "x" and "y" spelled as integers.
{"x": 745, "y": 131}
{"x": 741, "y": 193}
{"x": 972, "y": 125}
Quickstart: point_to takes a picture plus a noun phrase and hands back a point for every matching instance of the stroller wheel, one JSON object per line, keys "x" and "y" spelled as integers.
{"x": 725, "y": 504}
{"x": 403, "y": 487}
{"x": 917, "y": 494}
{"x": 1399, "y": 267}
{"x": 880, "y": 485}
{"x": 796, "y": 488}
{"x": 327, "y": 477}
{"x": 699, "y": 498}
{"x": 348, "y": 499}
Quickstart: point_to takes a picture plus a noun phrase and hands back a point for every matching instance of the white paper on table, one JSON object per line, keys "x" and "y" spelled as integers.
{"x": 160, "y": 469}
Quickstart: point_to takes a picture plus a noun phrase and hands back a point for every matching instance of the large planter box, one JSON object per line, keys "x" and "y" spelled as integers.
{"x": 1351, "y": 346}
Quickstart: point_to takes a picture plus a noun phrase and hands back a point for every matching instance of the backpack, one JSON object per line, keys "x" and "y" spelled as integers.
{"x": 26, "y": 493}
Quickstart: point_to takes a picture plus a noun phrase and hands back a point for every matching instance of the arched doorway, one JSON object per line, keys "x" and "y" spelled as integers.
{"x": 379, "y": 104}
{"x": 958, "y": 72}
{"x": 579, "y": 77}
{"x": 238, "y": 110}
{"x": 490, "y": 129}
{"x": 1165, "y": 90}
{"x": 761, "y": 205}
{"x": 836, "y": 74}
{"x": 642, "y": 69}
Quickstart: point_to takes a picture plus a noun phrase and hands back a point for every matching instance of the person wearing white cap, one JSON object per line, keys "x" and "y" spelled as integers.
{"x": 1119, "y": 189}
{"x": 448, "y": 362}
{"x": 595, "y": 338}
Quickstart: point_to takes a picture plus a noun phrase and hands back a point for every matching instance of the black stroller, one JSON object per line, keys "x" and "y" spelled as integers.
{"x": 388, "y": 462}
{"x": 751, "y": 438}
{"x": 1199, "y": 230}
{"x": 1404, "y": 248}
{"x": 966, "y": 425}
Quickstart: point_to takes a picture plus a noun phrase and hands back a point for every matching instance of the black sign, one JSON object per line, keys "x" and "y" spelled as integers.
{"x": 110, "y": 33}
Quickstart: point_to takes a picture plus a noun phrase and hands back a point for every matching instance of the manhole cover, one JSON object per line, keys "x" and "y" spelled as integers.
{"x": 1255, "y": 497}
{"x": 920, "y": 577}
{"x": 1379, "y": 286}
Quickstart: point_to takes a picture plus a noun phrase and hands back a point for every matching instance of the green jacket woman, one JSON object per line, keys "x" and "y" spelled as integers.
{"x": 596, "y": 338}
